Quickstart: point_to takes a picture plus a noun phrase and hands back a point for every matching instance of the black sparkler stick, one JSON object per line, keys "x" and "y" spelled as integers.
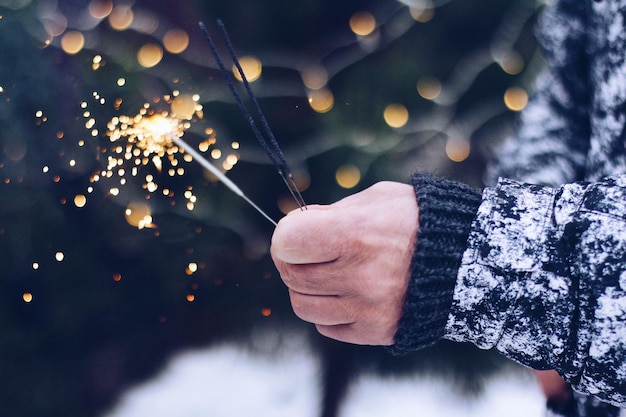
{"x": 269, "y": 144}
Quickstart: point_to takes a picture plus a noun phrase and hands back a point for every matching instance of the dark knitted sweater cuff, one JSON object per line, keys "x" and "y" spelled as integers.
{"x": 446, "y": 211}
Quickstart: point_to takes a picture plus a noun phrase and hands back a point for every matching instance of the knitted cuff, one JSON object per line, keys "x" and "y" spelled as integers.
{"x": 446, "y": 211}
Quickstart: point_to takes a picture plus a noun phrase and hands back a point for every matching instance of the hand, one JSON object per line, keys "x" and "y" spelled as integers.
{"x": 347, "y": 264}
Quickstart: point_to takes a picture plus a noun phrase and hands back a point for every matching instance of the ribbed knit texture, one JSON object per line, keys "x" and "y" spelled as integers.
{"x": 446, "y": 211}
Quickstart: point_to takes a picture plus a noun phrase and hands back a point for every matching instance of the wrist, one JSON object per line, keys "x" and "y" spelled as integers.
{"x": 446, "y": 210}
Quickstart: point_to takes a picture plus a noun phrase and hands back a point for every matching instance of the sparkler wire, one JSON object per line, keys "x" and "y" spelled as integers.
{"x": 276, "y": 155}
{"x": 223, "y": 178}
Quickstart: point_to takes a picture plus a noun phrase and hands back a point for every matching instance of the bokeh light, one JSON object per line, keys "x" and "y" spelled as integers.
{"x": 251, "y": 66}
{"x": 362, "y": 23}
{"x": 511, "y": 62}
{"x": 184, "y": 106}
{"x": 80, "y": 200}
{"x": 176, "y": 41}
{"x": 27, "y": 297}
{"x": 516, "y": 98}
{"x": 100, "y": 9}
{"x": 457, "y": 149}
{"x": 429, "y": 87}
{"x": 72, "y": 42}
{"x": 396, "y": 115}
{"x": 315, "y": 78}
{"x": 121, "y": 17}
{"x": 348, "y": 176}
{"x": 150, "y": 55}
{"x": 322, "y": 101}
{"x": 139, "y": 215}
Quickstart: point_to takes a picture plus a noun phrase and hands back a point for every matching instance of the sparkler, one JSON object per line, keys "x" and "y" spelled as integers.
{"x": 151, "y": 138}
{"x": 266, "y": 138}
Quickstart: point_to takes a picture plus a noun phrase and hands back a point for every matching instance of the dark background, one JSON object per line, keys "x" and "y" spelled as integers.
{"x": 118, "y": 304}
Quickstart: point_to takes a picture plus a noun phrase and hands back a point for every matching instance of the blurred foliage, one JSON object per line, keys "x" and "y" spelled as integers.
{"x": 90, "y": 304}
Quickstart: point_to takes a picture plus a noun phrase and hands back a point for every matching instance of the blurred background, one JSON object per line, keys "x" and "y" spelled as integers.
{"x": 118, "y": 251}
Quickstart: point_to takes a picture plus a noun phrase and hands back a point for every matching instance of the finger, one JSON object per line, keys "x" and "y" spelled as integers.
{"x": 322, "y": 310}
{"x": 313, "y": 279}
{"x": 353, "y": 333}
{"x": 307, "y": 236}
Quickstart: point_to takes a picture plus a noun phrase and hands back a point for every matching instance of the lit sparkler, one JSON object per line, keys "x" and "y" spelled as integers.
{"x": 151, "y": 138}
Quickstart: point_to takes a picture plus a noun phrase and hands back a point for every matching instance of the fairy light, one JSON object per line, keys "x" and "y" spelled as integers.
{"x": 149, "y": 55}
{"x": 192, "y": 268}
{"x": 80, "y": 200}
{"x": 315, "y": 78}
{"x": 458, "y": 149}
{"x": 429, "y": 87}
{"x": 321, "y": 101}
{"x": 139, "y": 215}
{"x": 176, "y": 41}
{"x": 121, "y": 17}
{"x": 511, "y": 62}
{"x": 27, "y": 297}
{"x": 396, "y": 115}
{"x": 348, "y": 176}
{"x": 362, "y": 23}
{"x": 59, "y": 256}
{"x": 516, "y": 98}
{"x": 100, "y": 9}
{"x": 252, "y": 68}
{"x": 72, "y": 42}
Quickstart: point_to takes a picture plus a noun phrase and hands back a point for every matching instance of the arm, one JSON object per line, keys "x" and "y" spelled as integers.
{"x": 543, "y": 281}
{"x": 540, "y": 280}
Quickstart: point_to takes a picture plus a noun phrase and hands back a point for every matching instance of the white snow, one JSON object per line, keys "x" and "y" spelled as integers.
{"x": 229, "y": 381}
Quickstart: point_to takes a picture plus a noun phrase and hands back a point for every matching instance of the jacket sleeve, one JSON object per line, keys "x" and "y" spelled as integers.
{"x": 552, "y": 139}
{"x": 543, "y": 280}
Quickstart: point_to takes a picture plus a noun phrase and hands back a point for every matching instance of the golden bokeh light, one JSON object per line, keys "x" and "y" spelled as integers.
{"x": 424, "y": 13}
{"x": 362, "y": 23}
{"x": 322, "y": 101}
{"x": 315, "y": 78}
{"x": 511, "y": 62}
{"x": 184, "y": 106}
{"x": 516, "y": 98}
{"x": 396, "y": 115}
{"x": 35, "y": 265}
{"x": 27, "y": 297}
{"x": 139, "y": 215}
{"x": 348, "y": 176}
{"x": 192, "y": 268}
{"x": 251, "y": 66}
{"x": 429, "y": 87}
{"x": 121, "y": 17}
{"x": 80, "y": 201}
{"x": 457, "y": 150}
{"x": 191, "y": 298}
{"x": 176, "y": 41}
{"x": 59, "y": 256}
{"x": 150, "y": 55}
{"x": 100, "y": 9}
{"x": 72, "y": 42}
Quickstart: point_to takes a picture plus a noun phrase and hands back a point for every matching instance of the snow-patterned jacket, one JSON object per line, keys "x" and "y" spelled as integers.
{"x": 538, "y": 271}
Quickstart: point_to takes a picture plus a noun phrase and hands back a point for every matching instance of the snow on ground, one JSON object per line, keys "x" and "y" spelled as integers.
{"x": 229, "y": 381}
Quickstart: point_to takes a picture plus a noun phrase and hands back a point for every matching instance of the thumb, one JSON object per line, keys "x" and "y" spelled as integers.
{"x": 306, "y": 237}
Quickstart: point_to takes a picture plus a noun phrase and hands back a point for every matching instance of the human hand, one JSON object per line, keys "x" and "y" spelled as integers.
{"x": 347, "y": 264}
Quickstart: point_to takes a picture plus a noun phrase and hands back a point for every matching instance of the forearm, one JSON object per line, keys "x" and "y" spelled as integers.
{"x": 542, "y": 281}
